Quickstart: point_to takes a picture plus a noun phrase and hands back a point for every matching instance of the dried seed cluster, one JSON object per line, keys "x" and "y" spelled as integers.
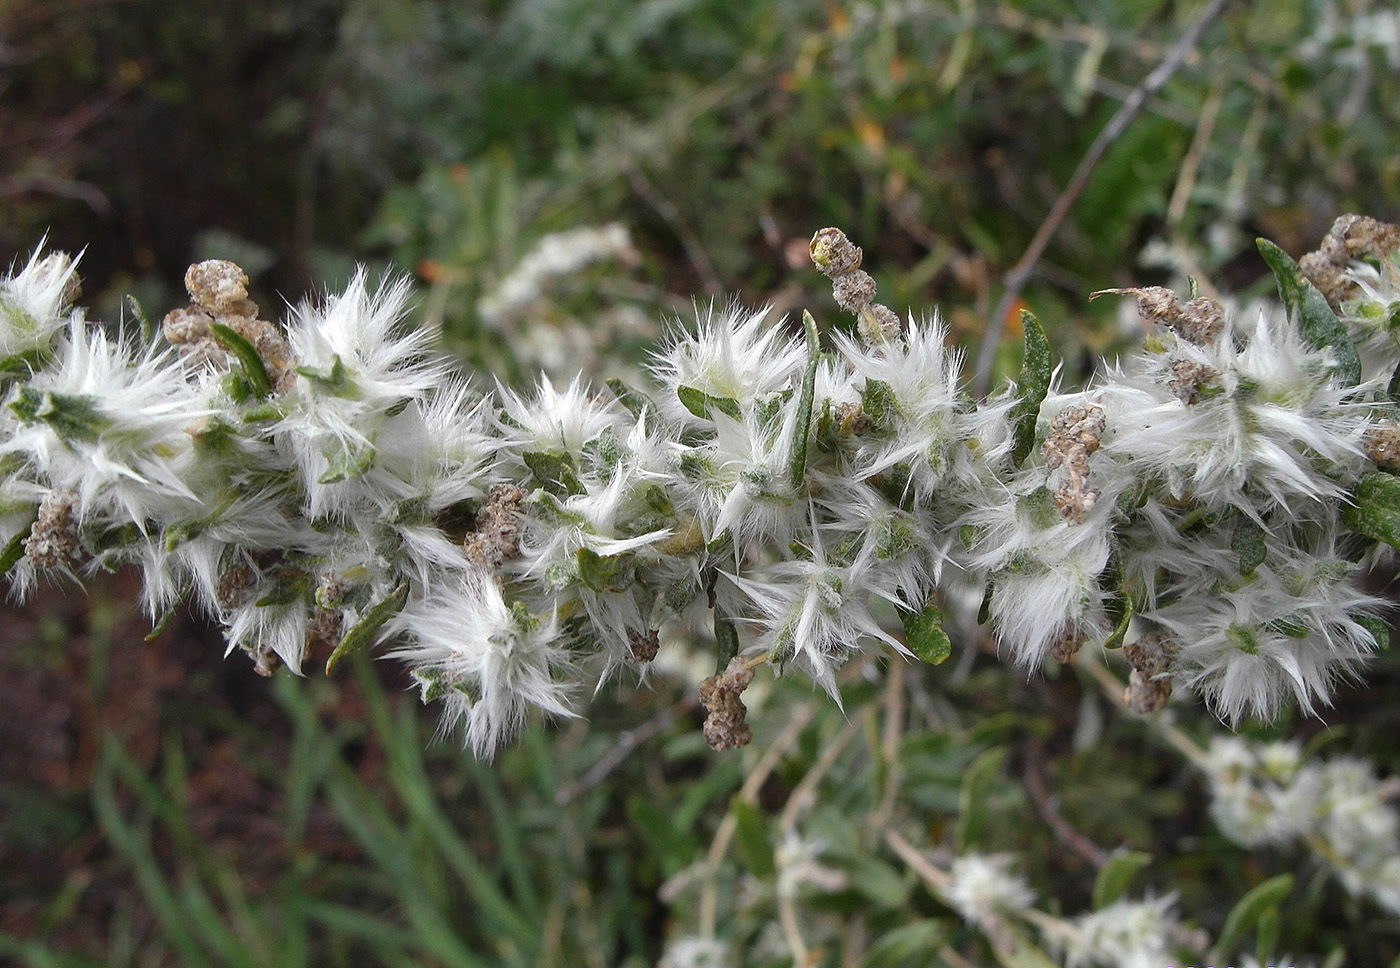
{"x": 1067, "y": 643}
{"x": 219, "y": 294}
{"x": 642, "y": 646}
{"x": 1351, "y": 237}
{"x": 1149, "y": 686}
{"x": 1074, "y": 435}
{"x": 837, "y": 258}
{"x": 496, "y": 539}
{"x": 1198, "y": 320}
{"x": 53, "y": 540}
{"x": 1382, "y": 443}
{"x": 725, "y": 726}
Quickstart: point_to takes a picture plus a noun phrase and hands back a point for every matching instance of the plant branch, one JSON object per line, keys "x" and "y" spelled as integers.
{"x": 1015, "y": 279}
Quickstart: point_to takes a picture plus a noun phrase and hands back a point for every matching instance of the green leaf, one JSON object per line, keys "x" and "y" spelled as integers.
{"x": 1036, "y": 367}
{"x": 699, "y": 403}
{"x": 147, "y": 330}
{"x": 261, "y": 412}
{"x": 254, "y": 371}
{"x": 1247, "y": 541}
{"x": 1379, "y": 629}
{"x": 923, "y": 631}
{"x": 363, "y": 631}
{"x": 1374, "y": 508}
{"x": 1115, "y": 876}
{"x": 21, "y": 364}
{"x": 289, "y": 586}
{"x": 972, "y": 797}
{"x": 1319, "y": 323}
{"x": 877, "y": 402}
{"x": 751, "y": 839}
{"x": 337, "y": 381}
{"x": 804, "y": 402}
{"x": 555, "y": 472}
{"x": 14, "y": 549}
{"x": 908, "y": 944}
{"x": 1120, "y": 612}
{"x": 726, "y": 640}
{"x": 347, "y": 463}
{"x": 1266, "y": 934}
{"x": 164, "y": 620}
{"x": 984, "y": 610}
{"x": 71, "y": 416}
{"x": 604, "y": 573}
{"x": 1392, "y": 389}
{"x": 636, "y": 402}
{"x": 877, "y": 880}
{"x": 1251, "y": 908}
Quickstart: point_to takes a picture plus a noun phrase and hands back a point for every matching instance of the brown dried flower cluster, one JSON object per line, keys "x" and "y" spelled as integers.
{"x": 496, "y": 539}
{"x": 853, "y": 288}
{"x": 725, "y": 727}
{"x": 1074, "y": 435}
{"x": 1352, "y": 237}
{"x": 53, "y": 540}
{"x": 642, "y": 646}
{"x": 850, "y": 419}
{"x": 1151, "y": 657}
{"x": 219, "y": 294}
{"x": 1382, "y": 443}
{"x": 1067, "y": 642}
{"x": 1198, "y": 321}
{"x": 233, "y": 586}
{"x": 1189, "y": 379}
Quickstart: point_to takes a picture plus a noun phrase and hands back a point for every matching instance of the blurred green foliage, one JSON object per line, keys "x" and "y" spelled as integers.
{"x": 449, "y": 139}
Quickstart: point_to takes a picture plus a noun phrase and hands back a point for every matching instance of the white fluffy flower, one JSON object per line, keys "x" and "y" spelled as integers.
{"x": 1290, "y": 630}
{"x": 358, "y": 366}
{"x": 1125, "y": 934}
{"x": 734, "y": 357}
{"x": 982, "y": 887}
{"x": 693, "y": 952}
{"x": 34, "y": 302}
{"x": 917, "y": 377}
{"x": 813, "y": 612}
{"x": 107, "y": 423}
{"x": 1266, "y": 420}
{"x": 558, "y": 421}
{"x": 488, "y": 660}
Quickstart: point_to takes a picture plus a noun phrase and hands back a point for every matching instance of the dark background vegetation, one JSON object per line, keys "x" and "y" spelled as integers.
{"x": 160, "y": 806}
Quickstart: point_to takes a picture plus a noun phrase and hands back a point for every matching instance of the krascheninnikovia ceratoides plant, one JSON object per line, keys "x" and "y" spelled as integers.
{"x": 1210, "y": 503}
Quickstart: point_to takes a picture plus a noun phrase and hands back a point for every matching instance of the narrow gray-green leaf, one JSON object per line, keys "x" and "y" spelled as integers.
{"x": 699, "y": 403}
{"x": 601, "y": 573}
{"x": 972, "y": 797}
{"x": 1379, "y": 629}
{"x": 13, "y": 550}
{"x": 555, "y": 472}
{"x": 164, "y": 620}
{"x": 636, "y": 402}
{"x": 254, "y": 370}
{"x": 1319, "y": 323}
{"x": 805, "y": 401}
{"x": 147, "y": 330}
{"x": 751, "y": 839}
{"x": 1034, "y": 384}
{"x": 1116, "y": 874}
{"x": 1250, "y": 908}
{"x": 1374, "y": 510}
{"x": 726, "y": 640}
{"x": 923, "y": 632}
{"x": 1247, "y": 541}
{"x": 363, "y": 631}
